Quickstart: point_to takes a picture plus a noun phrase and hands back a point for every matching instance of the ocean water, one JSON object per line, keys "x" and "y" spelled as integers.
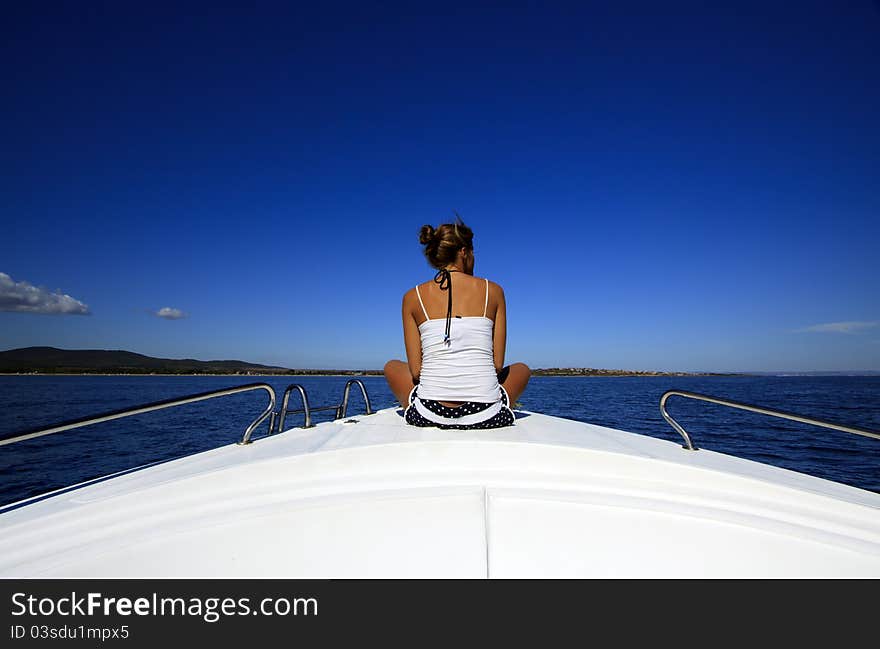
{"x": 36, "y": 466}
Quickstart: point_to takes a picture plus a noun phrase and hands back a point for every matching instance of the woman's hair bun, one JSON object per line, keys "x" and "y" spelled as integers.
{"x": 443, "y": 243}
{"x": 426, "y": 234}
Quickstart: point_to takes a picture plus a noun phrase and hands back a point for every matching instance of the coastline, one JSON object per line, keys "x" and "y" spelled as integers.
{"x": 535, "y": 374}
{"x": 52, "y": 361}
{"x": 181, "y": 374}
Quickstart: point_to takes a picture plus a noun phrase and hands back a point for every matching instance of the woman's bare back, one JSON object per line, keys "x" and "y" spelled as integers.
{"x": 469, "y": 298}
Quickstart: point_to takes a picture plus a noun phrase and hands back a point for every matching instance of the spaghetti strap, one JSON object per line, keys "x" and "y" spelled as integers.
{"x": 422, "y": 303}
{"x": 486, "y": 305}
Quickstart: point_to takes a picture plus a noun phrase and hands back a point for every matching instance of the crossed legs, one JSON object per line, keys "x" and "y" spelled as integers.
{"x": 514, "y": 378}
{"x": 399, "y": 380}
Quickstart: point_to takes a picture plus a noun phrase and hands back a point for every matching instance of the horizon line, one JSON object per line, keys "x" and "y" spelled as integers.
{"x": 537, "y": 368}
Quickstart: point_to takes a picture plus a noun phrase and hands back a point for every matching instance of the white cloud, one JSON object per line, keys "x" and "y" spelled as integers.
{"x": 24, "y": 297}
{"x": 838, "y": 327}
{"x": 170, "y": 314}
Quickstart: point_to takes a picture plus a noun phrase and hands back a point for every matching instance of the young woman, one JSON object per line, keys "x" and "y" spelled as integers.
{"x": 455, "y": 332}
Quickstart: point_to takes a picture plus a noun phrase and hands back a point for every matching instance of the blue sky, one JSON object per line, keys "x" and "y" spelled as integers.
{"x": 657, "y": 186}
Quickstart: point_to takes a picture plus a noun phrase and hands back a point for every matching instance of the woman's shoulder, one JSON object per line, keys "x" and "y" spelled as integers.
{"x": 416, "y": 291}
{"x": 423, "y": 286}
{"x": 493, "y": 286}
{"x": 479, "y": 282}
{"x": 409, "y": 294}
{"x": 486, "y": 279}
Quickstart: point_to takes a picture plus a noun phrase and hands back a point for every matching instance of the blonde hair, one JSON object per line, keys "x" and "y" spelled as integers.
{"x": 442, "y": 245}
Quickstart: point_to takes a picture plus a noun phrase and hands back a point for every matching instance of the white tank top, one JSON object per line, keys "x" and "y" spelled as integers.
{"x": 464, "y": 368}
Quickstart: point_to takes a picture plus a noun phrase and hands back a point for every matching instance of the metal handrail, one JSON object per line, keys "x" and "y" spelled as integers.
{"x": 751, "y": 408}
{"x": 343, "y": 407}
{"x": 307, "y": 410}
{"x": 284, "y": 410}
{"x": 149, "y": 407}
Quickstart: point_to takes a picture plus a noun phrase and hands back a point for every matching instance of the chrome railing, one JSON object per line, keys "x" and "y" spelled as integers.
{"x": 282, "y": 415}
{"x": 751, "y": 408}
{"x": 149, "y": 407}
{"x": 343, "y": 407}
{"x": 307, "y": 410}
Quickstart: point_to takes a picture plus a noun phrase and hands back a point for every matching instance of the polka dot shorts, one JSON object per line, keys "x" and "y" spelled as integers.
{"x": 504, "y": 417}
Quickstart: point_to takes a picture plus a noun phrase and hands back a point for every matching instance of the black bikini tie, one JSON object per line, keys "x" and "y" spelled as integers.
{"x": 444, "y": 279}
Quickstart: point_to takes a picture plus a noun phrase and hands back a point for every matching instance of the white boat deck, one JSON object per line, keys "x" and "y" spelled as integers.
{"x": 373, "y": 497}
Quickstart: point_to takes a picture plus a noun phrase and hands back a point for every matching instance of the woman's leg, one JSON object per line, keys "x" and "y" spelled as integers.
{"x": 399, "y": 380}
{"x": 514, "y": 378}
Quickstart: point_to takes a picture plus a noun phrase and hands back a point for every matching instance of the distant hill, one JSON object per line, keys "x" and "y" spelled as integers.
{"x": 102, "y": 361}
{"x": 51, "y": 360}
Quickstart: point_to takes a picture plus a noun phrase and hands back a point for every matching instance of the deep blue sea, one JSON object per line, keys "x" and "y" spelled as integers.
{"x": 629, "y": 403}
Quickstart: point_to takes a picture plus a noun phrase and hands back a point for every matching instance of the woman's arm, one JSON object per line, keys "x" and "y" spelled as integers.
{"x": 412, "y": 340}
{"x": 499, "y": 335}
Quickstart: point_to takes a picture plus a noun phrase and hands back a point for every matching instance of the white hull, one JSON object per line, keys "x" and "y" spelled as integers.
{"x": 547, "y": 497}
